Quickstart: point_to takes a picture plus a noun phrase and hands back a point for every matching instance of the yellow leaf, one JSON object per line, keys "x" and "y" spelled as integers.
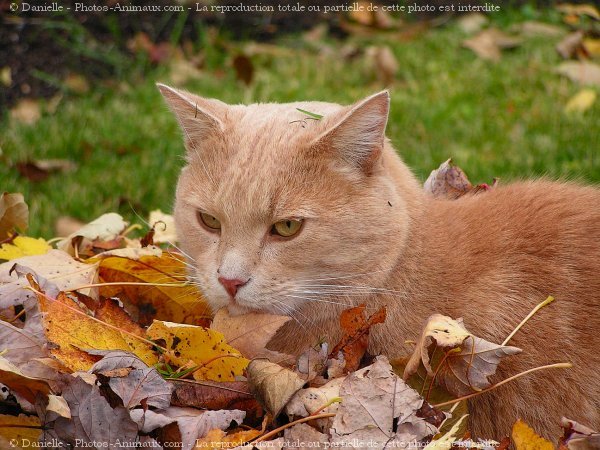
{"x": 24, "y": 246}
{"x": 177, "y": 303}
{"x": 219, "y": 439}
{"x": 526, "y": 439}
{"x": 592, "y": 46}
{"x": 68, "y": 326}
{"x": 19, "y": 432}
{"x": 192, "y": 346}
{"x": 581, "y": 102}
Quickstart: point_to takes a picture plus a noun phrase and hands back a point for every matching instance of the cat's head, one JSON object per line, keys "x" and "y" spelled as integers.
{"x": 278, "y": 210}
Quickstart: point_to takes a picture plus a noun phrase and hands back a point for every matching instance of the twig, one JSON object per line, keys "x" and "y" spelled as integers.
{"x": 549, "y": 300}
{"x": 514, "y": 377}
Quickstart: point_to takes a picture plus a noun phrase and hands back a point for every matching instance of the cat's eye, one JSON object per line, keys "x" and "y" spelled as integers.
{"x": 286, "y": 228}
{"x": 209, "y": 221}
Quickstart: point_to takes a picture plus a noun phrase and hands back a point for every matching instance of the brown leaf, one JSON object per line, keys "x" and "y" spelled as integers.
{"x": 384, "y": 62}
{"x": 192, "y": 423}
{"x": 41, "y": 169}
{"x": 18, "y": 382}
{"x": 244, "y": 69}
{"x": 578, "y": 437}
{"x": 139, "y": 384}
{"x": 355, "y": 340}
{"x": 26, "y": 111}
{"x": 581, "y": 72}
{"x": 472, "y": 22}
{"x": 250, "y": 333}
{"x": 216, "y": 395}
{"x": 534, "y": 28}
{"x": 19, "y": 432}
{"x": 272, "y": 384}
{"x": 77, "y": 83}
{"x": 579, "y": 10}
{"x": 571, "y": 45}
{"x": 14, "y": 213}
{"x": 466, "y": 361}
{"x": 489, "y": 44}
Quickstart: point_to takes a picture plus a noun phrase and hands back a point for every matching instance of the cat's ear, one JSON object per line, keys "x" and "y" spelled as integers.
{"x": 196, "y": 115}
{"x": 358, "y": 138}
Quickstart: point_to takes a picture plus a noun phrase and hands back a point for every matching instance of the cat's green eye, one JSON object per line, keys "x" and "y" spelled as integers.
{"x": 209, "y": 221}
{"x": 286, "y": 228}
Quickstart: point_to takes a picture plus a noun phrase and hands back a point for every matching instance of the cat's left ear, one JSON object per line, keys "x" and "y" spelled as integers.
{"x": 358, "y": 138}
{"x": 196, "y": 115}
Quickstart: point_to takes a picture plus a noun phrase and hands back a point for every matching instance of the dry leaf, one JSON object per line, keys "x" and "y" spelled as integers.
{"x": 59, "y": 406}
{"x": 445, "y": 442}
{"x": 244, "y": 69}
{"x": 449, "y": 181}
{"x": 18, "y": 346}
{"x": 581, "y": 72}
{"x": 468, "y": 360}
{"x": 139, "y": 384}
{"x": 215, "y": 396}
{"x": 378, "y": 407}
{"x": 272, "y": 384}
{"x": 581, "y": 102}
{"x": 19, "y": 432}
{"x": 362, "y": 14}
{"x": 193, "y": 424}
{"x": 41, "y": 169}
{"x": 355, "y": 339}
{"x": 384, "y": 62}
{"x": 313, "y": 362}
{"x": 77, "y": 83}
{"x": 93, "y": 420}
{"x": 578, "y": 437}
{"x": 107, "y": 227}
{"x": 26, "y": 111}
{"x": 525, "y": 438}
{"x": 571, "y": 45}
{"x": 592, "y": 47}
{"x": 219, "y": 439}
{"x": 191, "y": 346}
{"x": 164, "y": 227}
{"x": 307, "y": 401}
{"x": 489, "y": 44}
{"x": 18, "y": 382}
{"x": 156, "y": 299}
{"x": 71, "y": 330}
{"x": 14, "y": 213}
{"x": 23, "y": 246}
{"x": 579, "y": 10}
{"x": 250, "y": 333}
{"x": 533, "y": 28}
{"x": 472, "y": 22}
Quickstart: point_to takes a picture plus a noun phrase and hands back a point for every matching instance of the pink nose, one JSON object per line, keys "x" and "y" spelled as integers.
{"x": 231, "y": 285}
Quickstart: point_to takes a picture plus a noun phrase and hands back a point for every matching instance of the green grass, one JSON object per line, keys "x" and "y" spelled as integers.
{"x": 501, "y": 119}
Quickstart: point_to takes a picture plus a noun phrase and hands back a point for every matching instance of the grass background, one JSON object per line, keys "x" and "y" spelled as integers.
{"x": 502, "y": 119}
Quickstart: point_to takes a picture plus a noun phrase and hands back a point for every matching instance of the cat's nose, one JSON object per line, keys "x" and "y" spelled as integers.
{"x": 232, "y": 285}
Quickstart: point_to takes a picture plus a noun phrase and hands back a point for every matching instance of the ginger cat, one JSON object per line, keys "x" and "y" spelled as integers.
{"x": 284, "y": 213}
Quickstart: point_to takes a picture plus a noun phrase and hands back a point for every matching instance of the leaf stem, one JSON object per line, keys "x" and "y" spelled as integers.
{"x": 514, "y": 377}
{"x": 270, "y": 434}
{"x": 549, "y": 300}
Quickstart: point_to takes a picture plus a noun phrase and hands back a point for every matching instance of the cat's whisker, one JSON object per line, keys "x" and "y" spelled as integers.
{"x": 314, "y": 299}
{"x": 354, "y": 275}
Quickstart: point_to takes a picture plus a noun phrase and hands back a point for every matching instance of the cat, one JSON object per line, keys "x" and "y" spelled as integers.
{"x": 304, "y": 214}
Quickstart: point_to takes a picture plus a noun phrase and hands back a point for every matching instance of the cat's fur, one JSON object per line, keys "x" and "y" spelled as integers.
{"x": 371, "y": 235}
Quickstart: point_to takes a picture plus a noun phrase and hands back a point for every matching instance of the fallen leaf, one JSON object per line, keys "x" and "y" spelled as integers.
{"x": 384, "y": 62}
{"x": 275, "y": 444}
{"x": 93, "y": 419}
{"x": 72, "y": 331}
{"x": 308, "y": 401}
{"x": 525, "y": 438}
{"x": 19, "y": 432}
{"x": 161, "y": 295}
{"x": 105, "y": 228}
{"x": 14, "y": 213}
{"x": 77, "y": 83}
{"x": 41, "y": 169}
{"x": 355, "y": 339}
{"x": 592, "y": 47}
{"x": 250, "y": 333}
{"x": 578, "y": 437}
{"x": 362, "y": 14}
{"x": 472, "y": 22}
{"x": 191, "y": 346}
{"x": 571, "y": 45}
{"x": 534, "y": 28}
{"x": 313, "y": 362}
{"x": 378, "y": 408}
{"x": 193, "y": 424}
{"x": 140, "y": 384}
{"x": 489, "y": 43}
{"x": 579, "y": 10}
{"x": 272, "y": 384}
{"x": 26, "y": 111}
{"x": 581, "y": 72}
{"x": 18, "y": 382}
{"x": 445, "y": 442}
{"x": 244, "y": 69}
{"x": 449, "y": 181}
{"x": 59, "y": 406}
{"x": 219, "y": 439}
{"x": 581, "y": 102}
{"x": 467, "y": 361}
{"x": 164, "y": 227}
{"x": 22, "y": 246}
{"x": 18, "y": 346}
{"x": 216, "y": 395}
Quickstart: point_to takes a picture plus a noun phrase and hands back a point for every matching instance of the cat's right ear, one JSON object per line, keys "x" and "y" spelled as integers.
{"x": 197, "y": 116}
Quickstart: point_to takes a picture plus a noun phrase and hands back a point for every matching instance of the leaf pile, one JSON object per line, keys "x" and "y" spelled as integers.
{"x": 104, "y": 344}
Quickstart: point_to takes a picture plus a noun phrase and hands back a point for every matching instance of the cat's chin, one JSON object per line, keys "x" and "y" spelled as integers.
{"x": 238, "y": 310}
